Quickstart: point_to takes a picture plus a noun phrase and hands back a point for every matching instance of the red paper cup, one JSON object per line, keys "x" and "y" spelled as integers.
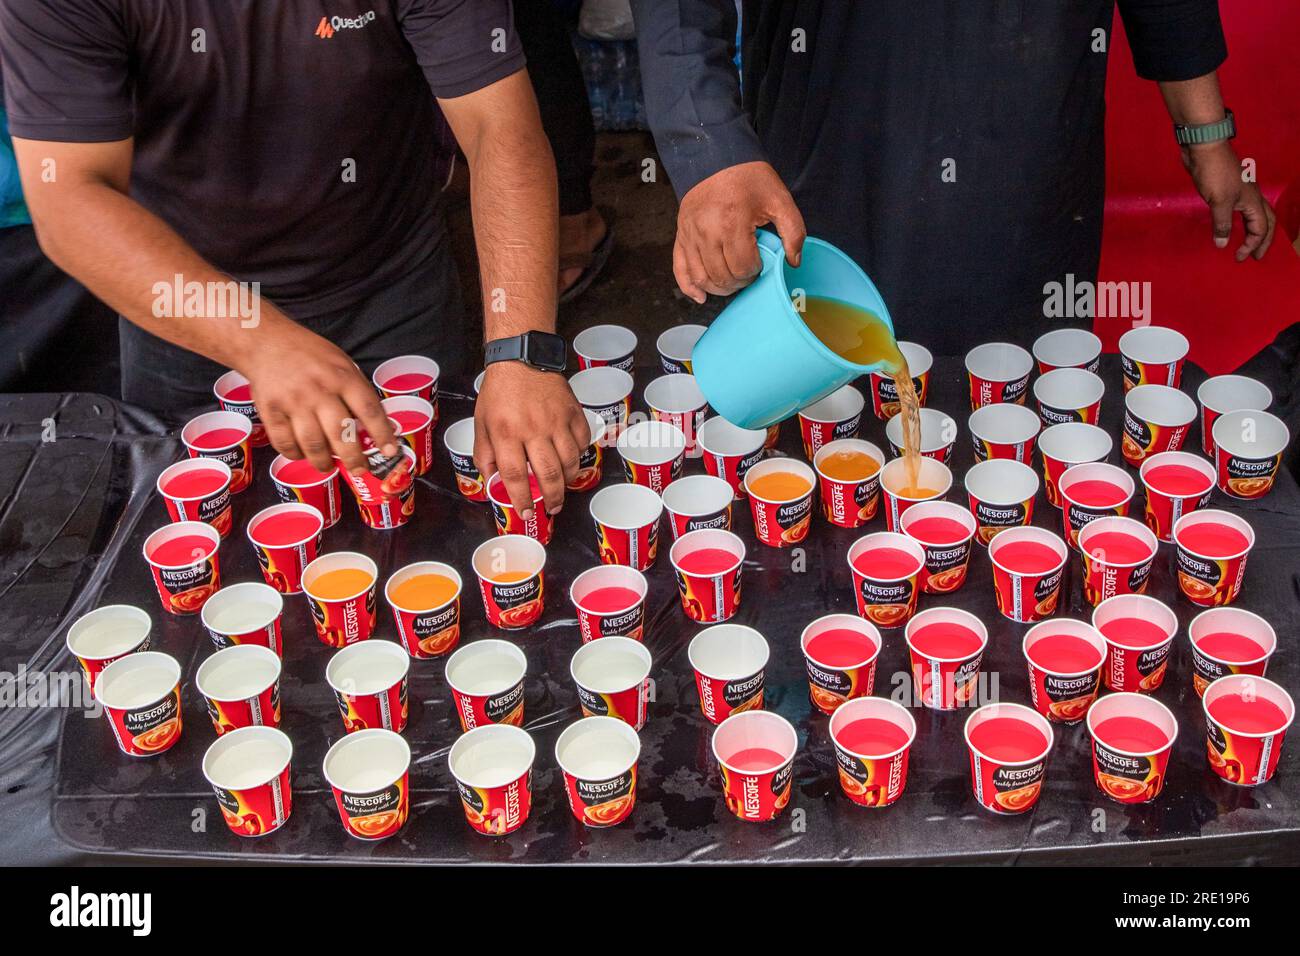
{"x": 591, "y": 459}
{"x": 613, "y": 679}
{"x": 1063, "y": 688}
{"x": 627, "y": 525}
{"x": 885, "y": 598}
{"x": 409, "y": 375}
{"x": 938, "y": 435}
{"x": 729, "y": 662}
{"x": 837, "y": 673}
{"x": 710, "y": 592}
{"x": 947, "y": 556}
{"x": 1210, "y": 580}
{"x": 369, "y": 682}
{"x": 388, "y": 502}
{"x": 933, "y": 477}
{"x": 493, "y": 768}
{"x": 1228, "y": 393}
{"x": 341, "y": 620}
{"x": 246, "y": 613}
{"x": 605, "y": 390}
{"x": 1067, "y": 445}
{"x": 998, "y": 372}
{"x": 487, "y": 683}
{"x": 677, "y": 400}
{"x": 698, "y": 501}
{"x": 653, "y": 453}
{"x": 849, "y": 503}
{"x": 838, "y": 415}
{"x": 1000, "y": 494}
{"x": 1152, "y": 354}
{"x": 187, "y": 578}
{"x": 1003, "y": 785}
{"x": 1026, "y": 594}
{"x": 1244, "y": 747}
{"x": 241, "y": 686}
{"x": 610, "y": 345}
{"x": 141, "y": 696}
{"x": 234, "y": 394}
{"x": 884, "y": 393}
{"x": 1221, "y": 640}
{"x": 1136, "y": 661}
{"x": 781, "y": 523}
{"x": 675, "y": 346}
{"x": 1004, "y": 430}
{"x": 298, "y": 482}
{"x": 944, "y": 681}
{"x": 509, "y": 570}
{"x": 459, "y": 439}
{"x": 1069, "y": 395}
{"x": 108, "y": 634}
{"x": 1156, "y": 419}
{"x": 248, "y": 770}
{"x": 426, "y": 632}
{"x": 871, "y": 776}
{"x": 1127, "y": 768}
{"x": 1165, "y": 502}
{"x": 598, "y": 757}
{"x": 592, "y": 592}
{"x": 1085, "y": 498}
{"x": 415, "y": 418}
{"x": 730, "y": 451}
{"x": 1105, "y": 573}
{"x": 1248, "y": 447}
{"x": 369, "y": 774}
{"x": 755, "y": 752}
{"x": 210, "y": 505}
{"x": 282, "y": 561}
{"x": 224, "y": 437}
{"x": 541, "y": 526}
{"x": 1067, "y": 348}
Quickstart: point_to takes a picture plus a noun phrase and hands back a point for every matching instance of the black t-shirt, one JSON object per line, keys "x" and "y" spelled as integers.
{"x": 289, "y": 142}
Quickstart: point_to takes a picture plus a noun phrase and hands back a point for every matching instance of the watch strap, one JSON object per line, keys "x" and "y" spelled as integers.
{"x": 504, "y": 350}
{"x": 1202, "y": 133}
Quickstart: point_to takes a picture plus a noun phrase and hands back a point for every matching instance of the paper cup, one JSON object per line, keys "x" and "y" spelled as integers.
{"x": 653, "y": 453}
{"x": 884, "y": 598}
{"x": 415, "y": 418}
{"x": 698, "y": 501}
{"x": 627, "y": 525}
{"x": 1000, "y": 494}
{"x": 282, "y": 561}
{"x": 1156, "y": 419}
{"x": 321, "y": 490}
{"x": 1069, "y": 395}
{"x": 838, "y": 415}
{"x": 1063, "y": 693}
{"x": 234, "y": 394}
{"x": 1127, "y": 769}
{"x": 1166, "y": 503}
{"x": 876, "y": 776}
{"x": 597, "y": 620}
{"x": 426, "y": 632}
{"x": 729, "y": 662}
{"x": 938, "y": 434}
{"x": 248, "y": 770}
{"x": 487, "y": 683}
{"x": 849, "y": 503}
{"x": 947, "y": 557}
{"x": 369, "y": 774}
{"x": 1107, "y": 574}
{"x": 409, "y": 375}
{"x": 781, "y": 523}
{"x": 369, "y": 681}
{"x": 677, "y": 400}
{"x": 1026, "y": 596}
{"x": 591, "y": 458}
{"x": 610, "y": 345}
{"x": 835, "y": 680}
{"x": 241, "y": 686}
{"x": 347, "y": 619}
{"x": 245, "y": 613}
{"x": 1248, "y": 447}
{"x": 1211, "y": 580}
{"x": 509, "y": 520}
{"x": 1007, "y": 786}
{"x": 1211, "y": 659}
{"x": 225, "y": 437}
{"x": 1063, "y": 446}
{"x": 1079, "y": 504}
{"x": 710, "y": 594}
{"x": 478, "y": 381}
{"x": 1228, "y": 393}
{"x": 1245, "y": 754}
{"x": 509, "y": 570}
{"x": 1152, "y": 354}
{"x": 607, "y": 391}
{"x": 184, "y": 583}
{"x": 756, "y": 790}
{"x": 884, "y": 393}
{"x": 598, "y": 757}
{"x": 613, "y": 679}
{"x": 211, "y": 506}
{"x": 1135, "y": 665}
{"x": 1067, "y": 348}
{"x": 141, "y": 697}
{"x": 459, "y": 440}
{"x": 675, "y": 346}
{"x": 933, "y": 478}
{"x": 998, "y": 372}
{"x": 107, "y": 634}
{"x": 387, "y": 500}
{"x": 493, "y": 768}
{"x": 1004, "y": 430}
{"x": 942, "y": 681}
{"x": 730, "y": 451}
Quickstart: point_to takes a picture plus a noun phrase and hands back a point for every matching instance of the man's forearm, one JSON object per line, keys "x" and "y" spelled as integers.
{"x": 1194, "y": 102}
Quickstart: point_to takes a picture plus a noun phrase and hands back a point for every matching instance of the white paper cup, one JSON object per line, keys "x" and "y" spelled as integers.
{"x": 1067, "y": 348}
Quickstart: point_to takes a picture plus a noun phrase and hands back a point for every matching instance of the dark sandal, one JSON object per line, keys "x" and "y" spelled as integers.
{"x": 591, "y": 263}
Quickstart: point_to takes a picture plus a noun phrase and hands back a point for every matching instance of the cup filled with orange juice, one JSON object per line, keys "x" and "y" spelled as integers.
{"x": 425, "y": 598}
{"x": 902, "y": 490}
{"x": 781, "y": 500}
{"x": 838, "y": 415}
{"x": 509, "y": 570}
{"x": 848, "y": 472}
{"x": 886, "y": 567}
{"x": 1028, "y": 564}
{"x": 340, "y": 590}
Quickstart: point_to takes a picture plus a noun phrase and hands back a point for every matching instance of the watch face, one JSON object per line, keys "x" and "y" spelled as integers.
{"x": 546, "y": 350}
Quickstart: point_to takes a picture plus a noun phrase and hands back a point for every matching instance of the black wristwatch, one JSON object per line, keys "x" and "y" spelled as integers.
{"x": 542, "y": 350}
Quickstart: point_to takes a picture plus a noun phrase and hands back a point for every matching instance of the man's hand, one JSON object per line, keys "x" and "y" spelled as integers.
{"x": 1216, "y": 171}
{"x": 525, "y": 417}
{"x": 716, "y": 251}
{"x": 313, "y": 399}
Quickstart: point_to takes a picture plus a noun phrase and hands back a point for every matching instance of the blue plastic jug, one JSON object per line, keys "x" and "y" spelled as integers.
{"x": 758, "y": 363}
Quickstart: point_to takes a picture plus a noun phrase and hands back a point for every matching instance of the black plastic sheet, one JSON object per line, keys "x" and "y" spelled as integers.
{"x": 77, "y": 508}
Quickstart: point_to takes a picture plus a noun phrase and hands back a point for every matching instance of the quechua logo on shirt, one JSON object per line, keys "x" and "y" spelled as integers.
{"x": 328, "y": 26}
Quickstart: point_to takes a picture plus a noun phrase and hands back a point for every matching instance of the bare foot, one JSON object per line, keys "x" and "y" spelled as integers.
{"x": 579, "y": 235}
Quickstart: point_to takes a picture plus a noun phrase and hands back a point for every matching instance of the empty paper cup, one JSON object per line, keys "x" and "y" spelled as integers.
{"x": 611, "y": 345}
{"x": 300, "y": 482}
{"x": 286, "y": 538}
{"x": 1004, "y": 431}
{"x": 1063, "y": 446}
{"x": 1028, "y": 564}
{"x": 933, "y": 480}
{"x": 597, "y": 756}
{"x": 409, "y": 375}
{"x": 998, "y": 372}
{"x": 1069, "y": 395}
{"x": 591, "y": 458}
{"x": 1090, "y": 491}
{"x": 1212, "y": 548}
{"x": 627, "y": 525}
{"x": 1009, "y": 745}
{"x": 459, "y": 439}
{"x": 540, "y": 525}
{"x": 185, "y": 565}
{"x": 605, "y": 390}
{"x": 938, "y": 434}
{"x": 487, "y": 683}
{"x": 781, "y": 494}
{"x": 945, "y": 531}
{"x": 1117, "y": 557}
{"x": 493, "y": 768}
{"x": 613, "y": 679}
{"x": 872, "y": 737}
{"x": 755, "y": 752}
{"x": 415, "y": 420}
{"x": 225, "y": 437}
{"x": 1228, "y": 393}
{"x": 839, "y": 652}
{"x": 610, "y": 601}
{"x": 707, "y": 565}
{"x": 728, "y": 660}
{"x": 1132, "y": 736}
{"x": 945, "y": 647}
{"x": 730, "y": 451}
{"x": 1248, "y": 447}
{"x": 369, "y": 774}
{"x": 1000, "y": 494}
{"x": 848, "y": 476}
{"x": 1246, "y": 722}
{"x": 1067, "y": 348}
{"x": 198, "y": 489}
{"x": 886, "y": 567}
{"x": 248, "y": 770}
{"x": 677, "y": 400}
{"x": 1065, "y": 658}
{"x": 884, "y": 393}
{"x": 1156, "y": 419}
{"x": 340, "y": 589}
{"x": 241, "y": 686}
{"x": 425, "y": 598}
{"x": 1228, "y": 640}
{"x": 1176, "y": 483}
{"x": 698, "y": 501}
{"x": 509, "y": 570}
{"x": 141, "y": 697}
{"x": 1152, "y": 355}
{"x": 245, "y": 613}
{"x": 675, "y": 346}
{"x": 653, "y": 453}
{"x": 369, "y": 683}
{"x": 1139, "y": 631}
{"x": 235, "y": 394}
{"x": 107, "y": 634}
{"x": 838, "y": 415}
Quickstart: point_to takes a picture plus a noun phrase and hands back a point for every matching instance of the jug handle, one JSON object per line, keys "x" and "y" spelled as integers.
{"x": 770, "y": 248}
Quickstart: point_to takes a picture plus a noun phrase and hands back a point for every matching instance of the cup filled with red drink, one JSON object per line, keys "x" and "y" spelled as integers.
{"x": 225, "y": 437}
{"x": 340, "y": 589}
{"x": 1152, "y": 355}
{"x": 385, "y": 493}
{"x": 1212, "y": 549}
{"x": 653, "y": 453}
{"x": 493, "y": 769}
{"x": 597, "y": 757}
{"x": 998, "y": 373}
{"x": 299, "y": 481}
{"x": 755, "y": 752}
{"x": 945, "y": 646}
{"x": 1228, "y": 640}
{"x": 884, "y": 393}
{"x": 1228, "y": 393}
{"x": 872, "y": 737}
{"x": 627, "y": 525}
{"x": 1176, "y": 483}
{"x": 946, "y": 531}
{"x": 1246, "y": 723}
{"x": 106, "y": 634}
{"x": 675, "y": 345}
{"x": 486, "y": 679}
{"x": 612, "y": 677}
{"x": 369, "y": 680}
{"x": 729, "y": 662}
{"x": 932, "y": 483}
{"x": 185, "y": 565}
{"x": 1139, "y": 631}
{"x": 1066, "y": 445}
{"x": 235, "y": 394}
{"x": 286, "y": 538}
{"x": 838, "y": 415}
{"x": 698, "y": 501}
{"x": 244, "y": 613}
{"x": 509, "y": 570}
{"x": 591, "y": 460}
{"x": 1069, "y": 395}
{"x": 1004, "y": 431}
{"x": 1132, "y": 736}
{"x": 610, "y": 601}
{"x": 459, "y": 441}
{"x": 1248, "y": 447}
{"x": 938, "y": 435}
{"x": 1067, "y": 348}
{"x": 730, "y": 451}
{"x": 415, "y": 419}
{"x": 886, "y": 569}
{"x": 141, "y": 697}
{"x": 1000, "y": 494}
{"x": 600, "y": 345}
{"x": 848, "y": 475}
{"x": 198, "y": 489}
{"x": 1065, "y": 659}
{"x": 409, "y": 375}
{"x": 1009, "y": 745}
{"x": 605, "y": 390}
{"x": 707, "y": 565}
{"x": 1091, "y": 491}
{"x": 241, "y": 687}
{"x": 1156, "y": 418}
{"x": 369, "y": 775}
{"x": 248, "y": 770}
{"x": 540, "y": 524}
{"x": 781, "y": 492}
{"x": 1118, "y": 554}
{"x": 677, "y": 400}
{"x": 1028, "y": 564}
{"x": 839, "y": 652}
{"x": 425, "y": 598}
